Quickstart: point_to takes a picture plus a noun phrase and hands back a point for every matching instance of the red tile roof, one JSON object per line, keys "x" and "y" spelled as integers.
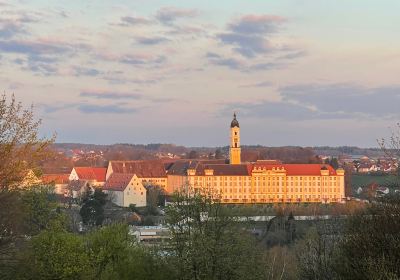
{"x": 117, "y": 182}
{"x": 55, "y": 178}
{"x": 91, "y": 173}
{"x": 141, "y": 168}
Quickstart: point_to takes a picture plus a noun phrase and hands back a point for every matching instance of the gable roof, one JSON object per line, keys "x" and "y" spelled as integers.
{"x": 141, "y": 168}
{"x": 91, "y": 173}
{"x": 117, "y": 182}
{"x": 55, "y": 178}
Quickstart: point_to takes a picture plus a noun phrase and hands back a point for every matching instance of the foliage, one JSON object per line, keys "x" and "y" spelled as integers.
{"x": 207, "y": 243}
{"x": 371, "y": 247}
{"x": 92, "y": 211}
{"x": 106, "y": 253}
{"x": 20, "y": 146}
{"x": 108, "y": 246}
{"x": 332, "y": 162}
{"x": 40, "y": 210}
{"x": 55, "y": 255}
{"x": 316, "y": 255}
{"x": 155, "y": 197}
{"x": 23, "y": 214}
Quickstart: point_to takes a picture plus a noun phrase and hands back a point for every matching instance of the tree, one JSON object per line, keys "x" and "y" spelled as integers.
{"x": 207, "y": 242}
{"x": 92, "y": 210}
{"x": 155, "y": 197}
{"x": 391, "y": 146}
{"x": 316, "y": 254}
{"x": 115, "y": 255}
{"x": 55, "y": 255}
{"x": 370, "y": 249}
{"x": 106, "y": 253}
{"x": 21, "y": 148}
{"x": 219, "y": 154}
{"x": 40, "y": 210}
{"x": 193, "y": 155}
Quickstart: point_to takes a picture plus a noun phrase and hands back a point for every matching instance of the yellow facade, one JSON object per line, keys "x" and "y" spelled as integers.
{"x": 263, "y": 181}
{"x": 272, "y": 186}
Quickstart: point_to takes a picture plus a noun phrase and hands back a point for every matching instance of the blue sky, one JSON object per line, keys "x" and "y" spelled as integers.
{"x": 298, "y": 72}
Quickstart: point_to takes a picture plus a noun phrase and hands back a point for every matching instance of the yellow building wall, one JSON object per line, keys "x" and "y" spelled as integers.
{"x": 273, "y": 187}
{"x": 161, "y": 181}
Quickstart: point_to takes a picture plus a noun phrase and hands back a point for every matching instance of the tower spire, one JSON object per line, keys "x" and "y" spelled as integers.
{"x": 235, "y": 150}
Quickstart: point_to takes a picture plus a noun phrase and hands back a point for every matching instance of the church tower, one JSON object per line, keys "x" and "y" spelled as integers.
{"x": 235, "y": 150}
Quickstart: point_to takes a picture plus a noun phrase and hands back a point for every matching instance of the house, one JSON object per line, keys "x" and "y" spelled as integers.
{"x": 60, "y": 181}
{"x": 125, "y": 189}
{"x": 95, "y": 176}
{"x": 150, "y": 172}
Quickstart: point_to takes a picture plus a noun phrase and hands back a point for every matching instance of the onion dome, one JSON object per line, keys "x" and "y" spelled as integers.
{"x": 234, "y": 122}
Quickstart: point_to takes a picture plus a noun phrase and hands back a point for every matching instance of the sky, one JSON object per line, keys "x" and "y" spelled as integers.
{"x": 297, "y": 72}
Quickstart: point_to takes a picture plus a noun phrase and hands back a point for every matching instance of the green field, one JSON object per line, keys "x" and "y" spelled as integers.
{"x": 365, "y": 180}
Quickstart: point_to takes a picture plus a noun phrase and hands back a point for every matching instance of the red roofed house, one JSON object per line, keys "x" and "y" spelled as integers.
{"x": 125, "y": 189}
{"x": 150, "y": 172}
{"x": 95, "y": 176}
{"x": 60, "y": 181}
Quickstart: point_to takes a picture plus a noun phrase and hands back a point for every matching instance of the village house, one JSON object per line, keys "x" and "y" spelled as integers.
{"x": 95, "y": 176}
{"x": 150, "y": 172}
{"x": 125, "y": 189}
{"x": 60, "y": 182}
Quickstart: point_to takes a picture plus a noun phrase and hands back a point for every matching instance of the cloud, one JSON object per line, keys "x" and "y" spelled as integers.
{"x": 257, "y": 24}
{"x": 168, "y": 15}
{"x": 133, "y": 20}
{"x": 231, "y": 63}
{"x": 9, "y": 29}
{"x": 56, "y": 108}
{"x": 241, "y": 65}
{"x": 258, "y": 85}
{"x": 151, "y": 40}
{"x": 249, "y": 35}
{"x": 105, "y": 109}
{"x": 323, "y": 102}
{"x": 14, "y": 22}
{"x": 31, "y": 47}
{"x": 142, "y": 59}
{"x": 110, "y": 95}
{"x": 38, "y": 64}
{"x": 293, "y": 55}
{"x": 379, "y": 102}
{"x": 83, "y": 71}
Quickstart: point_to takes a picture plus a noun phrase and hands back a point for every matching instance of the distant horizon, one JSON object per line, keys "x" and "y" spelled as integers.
{"x": 210, "y": 147}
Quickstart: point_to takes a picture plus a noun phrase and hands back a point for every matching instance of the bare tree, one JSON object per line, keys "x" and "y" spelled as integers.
{"x": 391, "y": 146}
